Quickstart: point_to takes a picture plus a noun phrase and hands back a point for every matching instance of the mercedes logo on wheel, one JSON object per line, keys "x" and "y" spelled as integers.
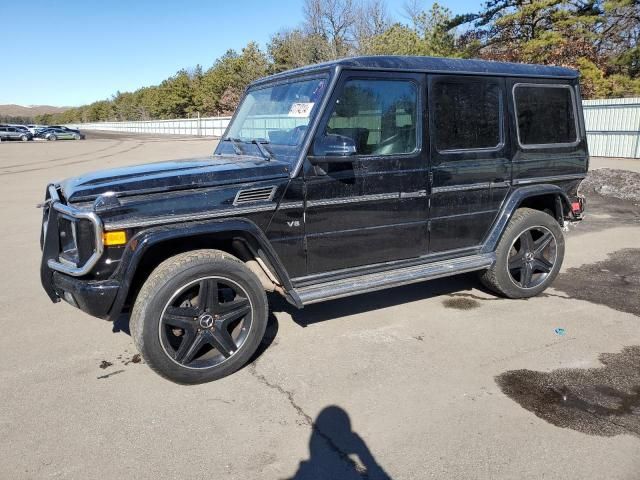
{"x": 206, "y": 321}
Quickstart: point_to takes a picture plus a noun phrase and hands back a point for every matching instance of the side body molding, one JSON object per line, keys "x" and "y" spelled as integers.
{"x": 140, "y": 244}
{"x": 510, "y": 205}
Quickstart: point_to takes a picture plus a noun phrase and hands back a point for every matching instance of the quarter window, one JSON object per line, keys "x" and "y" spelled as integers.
{"x": 467, "y": 115}
{"x": 546, "y": 114}
{"x": 380, "y": 116}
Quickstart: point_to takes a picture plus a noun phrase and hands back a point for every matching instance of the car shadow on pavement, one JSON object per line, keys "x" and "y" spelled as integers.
{"x": 336, "y": 451}
{"x": 357, "y": 304}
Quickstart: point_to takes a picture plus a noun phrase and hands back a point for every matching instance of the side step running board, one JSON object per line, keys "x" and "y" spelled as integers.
{"x": 392, "y": 278}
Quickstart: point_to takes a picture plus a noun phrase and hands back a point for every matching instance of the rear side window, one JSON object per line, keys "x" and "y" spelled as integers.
{"x": 546, "y": 114}
{"x": 467, "y": 115}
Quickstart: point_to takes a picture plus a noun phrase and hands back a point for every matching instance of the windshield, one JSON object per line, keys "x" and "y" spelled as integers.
{"x": 275, "y": 116}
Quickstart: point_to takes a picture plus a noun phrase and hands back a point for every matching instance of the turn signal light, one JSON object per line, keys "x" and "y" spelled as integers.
{"x": 116, "y": 237}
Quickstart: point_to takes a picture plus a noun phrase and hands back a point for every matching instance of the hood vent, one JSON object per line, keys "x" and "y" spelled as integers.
{"x": 252, "y": 195}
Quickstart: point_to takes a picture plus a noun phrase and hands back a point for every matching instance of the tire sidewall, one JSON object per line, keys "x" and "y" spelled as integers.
{"x": 146, "y": 334}
{"x": 533, "y": 218}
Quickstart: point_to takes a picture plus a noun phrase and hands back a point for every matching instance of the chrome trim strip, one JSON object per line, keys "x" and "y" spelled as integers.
{"x": 392, "y": 278}
{"x": 66, "y": 266}
{"x": 525, "y": 181}
{"x": 188, "y": 218}
{"x": 461, "y": 188}
{"x": 366, "y": 198}
{"x": 290, "y": 205}
{"x": 417, "y": 194}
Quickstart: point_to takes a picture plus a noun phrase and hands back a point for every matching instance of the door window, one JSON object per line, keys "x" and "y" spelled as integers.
{"x": 467, "y": 115}
{"x": 380, "y": 116}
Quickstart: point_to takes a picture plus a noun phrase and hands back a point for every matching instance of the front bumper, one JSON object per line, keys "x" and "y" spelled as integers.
{"x": 93, "y": 297}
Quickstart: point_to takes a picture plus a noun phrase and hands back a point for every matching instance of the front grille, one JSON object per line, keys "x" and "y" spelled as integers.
{"x": 252, "y": 195}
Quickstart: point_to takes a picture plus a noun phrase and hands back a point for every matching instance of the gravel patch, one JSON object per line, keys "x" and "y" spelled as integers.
{"x": 608, "y": 182}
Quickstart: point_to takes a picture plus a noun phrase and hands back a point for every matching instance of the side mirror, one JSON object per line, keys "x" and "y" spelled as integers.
{"x": 332, "y": 149}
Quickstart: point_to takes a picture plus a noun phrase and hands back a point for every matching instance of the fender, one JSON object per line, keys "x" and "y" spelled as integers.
{"x": 510, "y": 205}
{"x": 139, "y": 245}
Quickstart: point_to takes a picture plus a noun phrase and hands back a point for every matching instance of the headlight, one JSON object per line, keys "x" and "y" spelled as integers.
{"x": 76, "y": 240}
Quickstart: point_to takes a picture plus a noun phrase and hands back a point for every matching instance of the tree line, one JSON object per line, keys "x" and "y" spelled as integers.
{"x": 598, "y": 37}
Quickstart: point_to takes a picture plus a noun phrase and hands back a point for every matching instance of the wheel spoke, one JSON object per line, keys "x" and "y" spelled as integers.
{"x": 182, "y": 317}
{"x": 189, "y": 346}
{"x": 526, "y": 274}
{"x": 542, "y": 243}
{"x": 222, "y": 341}
{"x": 208, "y": 295}
{"x": 516, "y": 261}
{"x": 542, "y": 264}
{"x": 230, "y": 311}
{"x": 526, "y": 241}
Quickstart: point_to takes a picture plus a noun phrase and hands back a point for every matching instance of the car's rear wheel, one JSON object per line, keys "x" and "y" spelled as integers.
{"x": 199, "y": 316}
{"x": 52, "y": 138}
{"x": 528, "y": 256}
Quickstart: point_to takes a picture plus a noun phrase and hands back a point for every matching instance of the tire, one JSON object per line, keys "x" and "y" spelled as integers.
{"x": 180, "y": 336}
{"x": 24, "y": 138}
{"x": 52, "y": 138}
{"x": 76, "y": 137}
{"x": 528, "y": 256}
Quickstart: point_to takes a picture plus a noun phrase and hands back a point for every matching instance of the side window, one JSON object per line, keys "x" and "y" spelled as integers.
{"x": 380, "y": 116}
{"x": 467, "y": 115}
{"x": 546, "y": 114}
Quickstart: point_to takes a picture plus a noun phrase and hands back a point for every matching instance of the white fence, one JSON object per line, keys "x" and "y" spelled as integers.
{"x": 613, "y": 127}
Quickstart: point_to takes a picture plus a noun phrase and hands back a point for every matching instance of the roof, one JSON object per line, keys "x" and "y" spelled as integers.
{"x": 436, "y": 65}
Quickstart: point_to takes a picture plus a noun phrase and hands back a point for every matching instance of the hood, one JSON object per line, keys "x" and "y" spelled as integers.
{"x": 173, "y": 175}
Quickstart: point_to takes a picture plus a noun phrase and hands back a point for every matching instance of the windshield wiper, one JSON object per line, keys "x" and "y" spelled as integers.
{"x": 234, "y": 144}
{"x": 263, "y": 150}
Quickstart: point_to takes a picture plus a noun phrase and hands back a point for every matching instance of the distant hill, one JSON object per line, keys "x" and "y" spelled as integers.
{"x": 29, "y": 111}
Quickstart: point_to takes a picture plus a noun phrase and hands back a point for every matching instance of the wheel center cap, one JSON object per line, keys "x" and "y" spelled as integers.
{"x": 528, "y": 256}
{"x": 206, "y": 320}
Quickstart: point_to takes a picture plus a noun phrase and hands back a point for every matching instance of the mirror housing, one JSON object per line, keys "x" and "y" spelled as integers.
{"x": 333, "y": 149}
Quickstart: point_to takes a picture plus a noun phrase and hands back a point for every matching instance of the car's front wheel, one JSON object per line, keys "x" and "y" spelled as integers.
{"x": 52, "y": 138}
{"x": 24, "y": 138}
{"x": 199, "y": 316}
{"x": 528, "y": 256}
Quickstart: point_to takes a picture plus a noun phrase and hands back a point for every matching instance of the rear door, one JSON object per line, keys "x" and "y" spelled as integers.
{"x": 470, "y": 154}
{"x": 372, "y": 208}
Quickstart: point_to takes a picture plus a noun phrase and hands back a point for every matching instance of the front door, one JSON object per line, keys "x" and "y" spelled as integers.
{"x": 372, "y": 208}
{"x": 470, "y": 154}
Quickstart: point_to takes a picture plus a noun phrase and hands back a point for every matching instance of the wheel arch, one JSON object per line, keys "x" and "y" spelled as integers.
{"x": 538, "y": 197}
{"x": 239, "y": 237}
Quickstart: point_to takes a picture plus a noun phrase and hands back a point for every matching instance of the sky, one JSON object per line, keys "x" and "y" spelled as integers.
{"x": 74, "y": 52}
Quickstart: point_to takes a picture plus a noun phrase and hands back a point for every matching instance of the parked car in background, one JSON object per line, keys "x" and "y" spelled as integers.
{"x": 36, "y": 128}
{"x": 9, "y": 132}
{"x": 62, "y": 127}
{"x": 53, "y": 133}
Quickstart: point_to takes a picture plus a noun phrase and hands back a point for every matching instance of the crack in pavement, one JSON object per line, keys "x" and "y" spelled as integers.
{"x": 308, "y": 421}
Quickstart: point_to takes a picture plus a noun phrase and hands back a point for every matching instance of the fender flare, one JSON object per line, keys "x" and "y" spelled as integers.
{"x": 142, "y": 241}
{"x": 511, "y": 204}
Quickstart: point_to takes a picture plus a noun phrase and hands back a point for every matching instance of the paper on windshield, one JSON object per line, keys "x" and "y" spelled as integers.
{"x": 301, "y": 110}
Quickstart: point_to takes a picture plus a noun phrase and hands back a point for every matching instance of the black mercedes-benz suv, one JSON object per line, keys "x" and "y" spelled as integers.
{"x": 330, "y": 180}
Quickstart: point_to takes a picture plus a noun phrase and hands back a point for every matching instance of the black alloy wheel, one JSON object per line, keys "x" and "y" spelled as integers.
{"x": 532, "y": 257}
{"x": 205, "y": 322}
{"x": 529, "y": 255}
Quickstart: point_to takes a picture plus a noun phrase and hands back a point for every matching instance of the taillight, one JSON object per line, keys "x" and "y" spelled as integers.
{"x": 576, "y": 207}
